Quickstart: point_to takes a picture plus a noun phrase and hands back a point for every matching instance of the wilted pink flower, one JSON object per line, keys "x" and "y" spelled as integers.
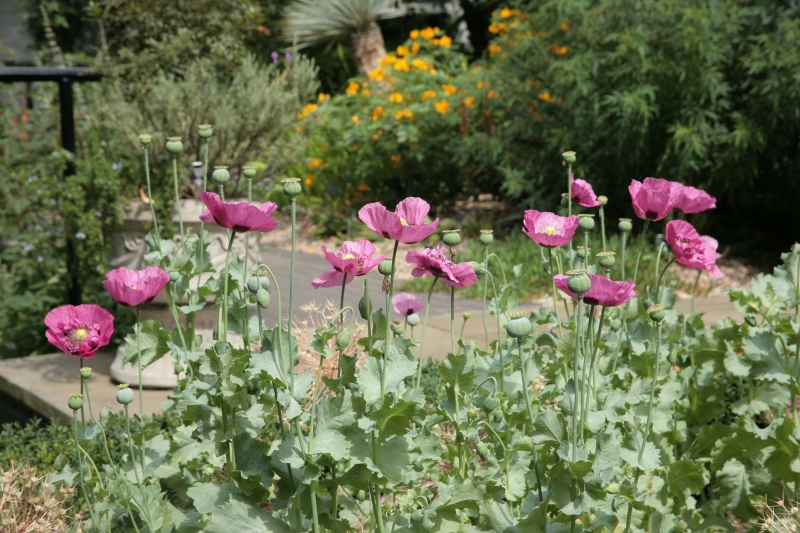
{"x": 549, "y": 229}
{"x": 434, "y": 262}
{"x": 695, "y": 201}
{"x": 352, "y": 259}
{"x": 406, "y": 224}
{"x": 405, "y": 303}
{"x": 692, "y": 249}
{"x": 604, "y": 292}
{"x": 583, "y": 192}
{"x": 654, "y": 198}
{"x": 135, "y": 288}
{"x": 238, "y": 216}
{"x": 79, "y": 330}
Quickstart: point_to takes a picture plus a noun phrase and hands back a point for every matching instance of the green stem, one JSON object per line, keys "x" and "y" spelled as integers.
{"x": 523, "y": 364}
{"x": 291, "y": 292}
{"x": 314, "y": 404}
{"x": 569, "y": 211}
{"x": 694, "y": 287}
{"x": 133, "y": 464}
{"x": 149, "y": 193}
{"x": 589, "y": 393}
{"x": 178, "y": 198}
{"x": 578, "y": 320}
{"x": 376, "y": 509}
{"x": 624, "y": 238}
{"x": 314, "y": 515}
{"x": 461, "y": 334}
{"x": 585, "y": 249}
{"x": 500, "y": 264}
{"x": 95, "y": 521}
{"x": 224, "y": 320}
{"x": 555, "y": 303}
{"x": 246, "y": 325}
{"x": 603, "y": 227}
{"x": 485, "y": 288}
{"x": 660, "y": 277}
{"x": 388, "y": 321}
{"x": 452, "y": 320}
{"x": 100, "y": 427}
{"x": 424, "y": 327}
{"x": 139, "y": 357}
{"x": 83, "y": 416}
{"x": 641, "y": 247}
{"x": 280, "y": 328}
{"x": 224, "y": 415}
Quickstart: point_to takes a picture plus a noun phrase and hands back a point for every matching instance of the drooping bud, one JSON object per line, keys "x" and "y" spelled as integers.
{"x": 204, "y": 131}
{"x": 365, "y": 307}
{"x": 451, "y": 237}
{"x": 625, "y": 225}
{"x": 606, "y": 259}
{"x": 615, "y": 324}
{"x": 291, "y": 187}
{"x": 518, "y": 325}
{"x": 487, "y": 237}
{"x": 124, "y": 394}
{"x": 145, "y": 139}
{"x": 249, "y": 172}
{"x": 613, "y": 488}
{"x": 75, "y": 401}
{"x": 412, "y": 319}
{"x": 569, "y": 157}
{"x": 256, "y": 282}
{"x": 262, "y": 298}
{"x": 578, "y": 281}
{"x": 397, "y": 329}
{"x": 657, "y": 312}
{"x": 343, "y": 340}
{"x": 491, "y": 403}
{"x": 174, "y": 145}
{"x": 386, "y": 267}
{"x": 586, "y": 222}
{"x": 221, "y": 175}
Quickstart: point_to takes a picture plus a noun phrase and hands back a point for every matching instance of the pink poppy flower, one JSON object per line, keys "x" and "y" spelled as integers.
{"x": 695, "y": 201}
{"x": 132, "y": 288}
{"x": 549, "y": 229}
{"x": 434, "y": 262}
{"x": 654, "y": 198}
{"x": 583, "y": 192}
{"x": 405, "y": 303}
{"x": 352, "y": 259}
{"x": 406, "y": 224}
{"x": 465, "y": 275}
{"x": 692, "y": 249}
{"x": 238, "y": 216}
{"x": 604, "y": 292}
{"x": 79, "y": 330}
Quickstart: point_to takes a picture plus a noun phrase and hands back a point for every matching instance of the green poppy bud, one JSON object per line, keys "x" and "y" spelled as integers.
{"x": 86, "y": 372}
{"x": 249, "y": 172}
{"x": 657, "y": 312}
{"x": 569, "y": 157}
{"x": 343, "y": 340}
{"x": 451, "y": 237}
{"x": 417, "y": 517}
{"x": 204, "y": 131}
{"x": 253, "y": 285}
{"x": 578, "y": 281}
{"x": 262, "y": 298}
{"x": 613, "y": 488}
{"x": 518, "y": 325}
{"x": 397, "y": 329}
{"x": 586, "y": 222}
{"x": 581, "y": 251}
{"x": 615, "y": 324}
{"x": 145, "y": 139}
{"x": 385, "y": 267}
{"x": 625, "y": 225}
{"x": 491, "y": 403}
{"x": 291, "y": 187}
{"x": 487, "y": 237}
{"x": 606, "y": 259}
{"x": 75, "y": 401}
{"x": 413, "y": 319}
{"x": 365, "y": 307}
{"x": 750, "y": 319}
{"x": 482, "y": 449}
{"x": 221, "y": 176}
{"x": 174, "y": 275}
{"x": 546, "y": 266}
{"x": 465, "y": 315}
{"x": 497, "y": 416}
{"x": 124, "y": 394}
{"x": 174, "y": 145}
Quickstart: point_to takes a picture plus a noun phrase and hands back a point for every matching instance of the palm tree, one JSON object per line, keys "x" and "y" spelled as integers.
{"x": 308, "y": 22}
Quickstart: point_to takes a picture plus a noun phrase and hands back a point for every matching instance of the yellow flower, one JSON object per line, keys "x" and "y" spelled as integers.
{"x": 469, "y": 101}
{"x": 545, "y": 96}
{"x": 376, "y": 137}
{"x": 420, "y": 64}
{"x": 322, "y": 97}
{"x": 445, "y": 41}
{"x": 428, "y": 33}
{"x": 401, "y": 65}
{"x": 493, "y": 28}
{"x": 307, "y": 110}
{"x": 396, "y": 98}
{"x": 494, "y": 48}
{"x": 314, "y": 163}
{"x": 428, "y": 94}
{"x": 408, "y": 113}
{"x": 354, "y": 119}
{"x": 365, "y": 92}
{"x": 398, "y": 115}
{"x": 442, "y": 106}
{"x": 376, "y": 75}
{"x": 564, "y": 26}
{"x": 415, "y": 48}
{"x": 402, "y": 50}
{"x": 396, "y": 158}
{"x": 481, "y": 85}
{"x": 449, "y": 89}
{"x": 414, "y": 35}
{"x": 352, "y": 88}
{"x": 309, "y": 180}
{"x": 490, "y": 94}
{"x": 505, "y": 13}
{"x": 377, "y": 113}
{"x": 389, "y": 60}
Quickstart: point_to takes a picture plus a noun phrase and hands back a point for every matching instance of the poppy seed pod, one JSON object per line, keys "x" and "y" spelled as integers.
{"x": 518, "y": 325}
{"x": 124, "y": 394}
{"x": 465, "y": 315}
{"x": 625, "y": 225}
{"x": 569, "y": 157}
{"x": 491, "y": 403}
{"x": 365, "y": 307}
{"x": 145, "y": 139}
{"x": 291, "y": 187}
{"x": 615, "y": 324}
{"x": 75, "y": 401}
{"x": 578, "y": 281}
{"x": 451, "y": 237}
{"x": 204, "y": 131}
{"x": 582, "y": 251}
{"x": 586, "y": 222}
{"x": 221, "y": 175}
{"x": 174, "y": 275}
{"x": 174, "y": 145}
{"x": 412, "y": 319}
{"x": 249, "y": 172}
{"x": 657, "y": 312}
{"x": 262, "y": 298}
{"x": 86, "y": 372}
{"x": 386, "y": 267}
{"x": 606, "y": 259}
{"x": 487, "y": 237}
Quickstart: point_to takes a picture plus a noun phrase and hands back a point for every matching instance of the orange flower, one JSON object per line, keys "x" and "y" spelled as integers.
{"x": 494, "y": 28}
{"x": 469, "y": 101}
{"x": 396, "y": 158}
{"x": 376, "y": 136}
{"x": 449, "y": 89}
{"x": 377, "y": 113}
{"x": 545, "y": 96}
{"x": 428, "y": 33}
{"x": 365, "y": 92}
{"x": 420, "y": 64}
{"x": 401, "y": 65}
{"x": 414, "y": 35}
{"x": 415, "y": 48}
{"x": 352, "y": 88}
{"x": 322, "y": 97}
{"x": 396, "y": 98}
{"x": 362, "y": 187}
{"x": 402, "y": 50}
{"x": 307, "y": 110}
{"x": 564, "y": 26}
{"x": 442, "y": 106}
{"x": 376, "y": 75}
{"x": 481, "y": 84}
{"x": 408, "y": 113}
{"x": 445, "y": 41}
{"x": 354, "y": 119}
{"x": 428, "y": 94}
{"x": 389, "y": 60}
{"x": 505, "y": 13}
{"x": 398, "y": 115}
{"x": 490, "y": 94}
{"x": 314, "y": 163}
{"x": 309, "y": 180}
{"x": 494, "y": 48}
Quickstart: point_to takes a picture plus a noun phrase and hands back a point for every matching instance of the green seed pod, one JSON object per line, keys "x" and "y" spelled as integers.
{"x": 606, "y": 259}
{"x": 413, "y": 319}
{"x": 487, "y": 237}
{"x": 174, "y": 145}
{"x": 124, "y": 394}
{"x": 221, "y": 176}
{"x": 465, "y": 315}
{"x": 397, "y": 329}
{"x": 291, "y": 187}
{"x": 86, "y": 372}
{"x": 518, "y": 325}
{"x": 657, "y": 312}
{"x": 569, "y": 157}
{"x": 385, "y": 267}
{"x": 249, "y": 172}
{"x": 262, "y": 298}
{"x": 451, "y": 237}
{"x": 174, "y": 275}
{"x": 75, "y": 401}
{"x": 145, "y": 139}
{"x": 581, "y": 251}
{"x": 343, "y": 340}
{"x": 365, "y": 307}
{"x": 750, "y": 319}
{"x": 546, "y": 266}
{"x": 602, "y": 199}
{"x": 491, "y": 403}
{"x": 497, "y": 416}
{"x": 205, "y": 131}
{"x": 613, "y": 488}
{"x": 615, "y": 324}
{"x": 253, "y": 285}
{"x": 647, "y": 302}
{"x": 625, "y": 225}
{"x": 586, "y": 222}
{"x": 482, "y": 449}
{"x": 578, "y": 281}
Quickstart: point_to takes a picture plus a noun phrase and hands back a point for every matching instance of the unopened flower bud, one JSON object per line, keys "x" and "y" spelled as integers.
{"x": 582, "y": 251}
{"x": 615, "y": 324}
{"x": 569, "y": 157}
{"x": 518, "y": 325}
{"x": 291, "y": 187}
{"x": 124, "y": 394}
{"x": 625, "y": 225}
{"x": 412, "y": 319}
{"x": 343, "y": 340}
{"x": 365, "y": 307}
{"x": 578, "y": 281}
{"x": 613, "y": 488}
{"x": 145, "y": 139}
{"x": 174, "y": 275}
{"x": 465, "y": 315}
{"x": 386, "y": 267}
{"x": 606, "y": 259}
{"x": 262, "y": 298}
{"x": 249, "y": 172}
{"x": 221, "y": 175}
{"x": 86, "y": 372}
{"x": 204, "y": 131}
{"x": 487, "y": 237}
{"x": 257, "y": 282}
{"x": 397, "y": 329}
{"x": 602, "y": 199}
{"x": 491, "y": 403}
{"x": 75, "y": 401}
{"x": 586, "y": 222}
{"x": 657, "y": 312}
{"x": 174, "y": 145}
{"x": 451, "y": 237}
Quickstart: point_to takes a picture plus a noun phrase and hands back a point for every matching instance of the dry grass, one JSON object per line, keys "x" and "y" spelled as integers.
{"x": 28, "y": 504}
{"x": 781, "y": 518}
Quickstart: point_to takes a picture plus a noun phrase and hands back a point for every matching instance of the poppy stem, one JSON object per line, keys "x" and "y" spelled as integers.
{"x": 660, "y": 277}
{"x": 150, "y": 194}
{"x": 388, "y": 321}
{"x": 178, "y": 198}
{"x": 575, "y": 409}
{"x": 694, "y": 288}
{"x": 424, "y": 327}
{"x": 453, "y": 320}
{"x": 291, "y": 295}
{"x": 589, "y": 388}
{"x": 523, "y": 363}
{"x": 95, "y": 521}
{"x": 624, "y": 238}
{"x": 83, "y": 416}
{"x": 553, "y": 281}
{"x": 641, "y": 247}
{"x": 224, "y": 323}
{"x": 139, "y": 356}
{"x": 603, "y": 227}
{"x": 569, "y": 212}
{"x": 485, "y": 288}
